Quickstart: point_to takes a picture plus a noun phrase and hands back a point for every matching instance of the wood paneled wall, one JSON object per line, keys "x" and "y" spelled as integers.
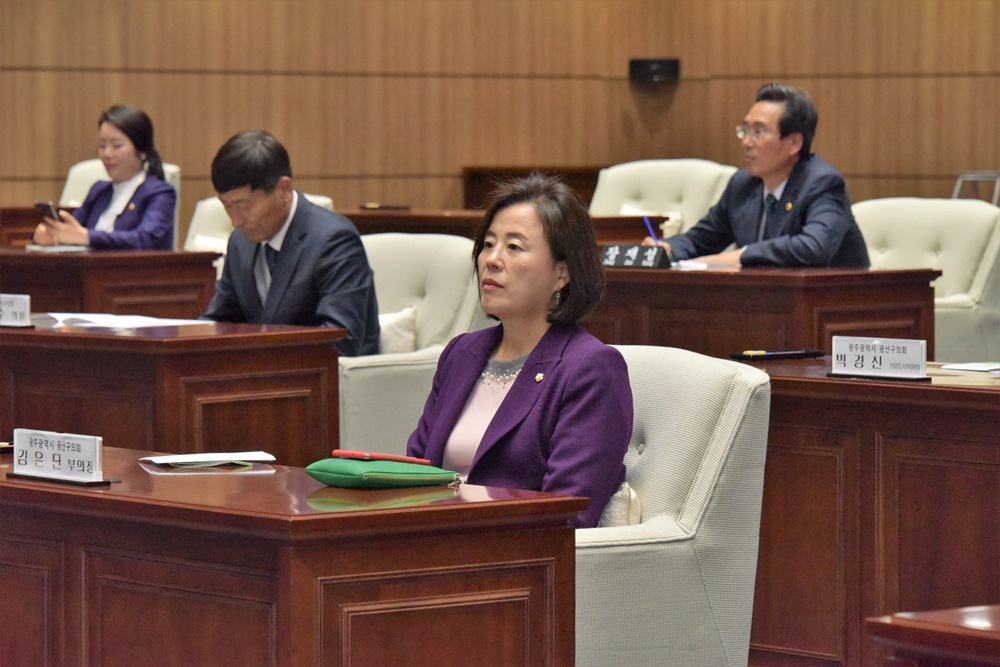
{"x": 386, "y": 100}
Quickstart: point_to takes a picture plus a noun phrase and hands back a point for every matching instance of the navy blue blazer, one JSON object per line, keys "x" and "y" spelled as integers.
{"x": 563, "y": 427}
{"x": 813, "y": 225}
{"x": 147, "y": 223}
{"x": 322, "y": 278}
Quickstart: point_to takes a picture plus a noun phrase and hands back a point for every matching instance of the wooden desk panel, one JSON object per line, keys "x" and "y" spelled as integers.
{"x": 879, "y": 497}
{"x": 478, "y": 182}
{"x": 723, "y": 311}
{"x": 608, "y": 229}
{"x": 17, "y": 224}
{"x": 276, "y": 569}
{"x": 965, "y": 637}
{"x": 128, "y": 282}
{"x": 191, "y": 388}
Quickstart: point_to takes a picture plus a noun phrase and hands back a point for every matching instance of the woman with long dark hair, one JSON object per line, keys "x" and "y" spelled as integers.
{"x": 135, "y": 209}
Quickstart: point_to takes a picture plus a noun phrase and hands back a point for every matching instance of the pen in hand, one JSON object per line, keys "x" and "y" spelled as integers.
{"x": 649, "y": 228}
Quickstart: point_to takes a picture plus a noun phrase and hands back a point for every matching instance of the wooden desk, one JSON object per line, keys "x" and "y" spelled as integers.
{"x": 719, "y": 312}
{"x": 879, "y": 497}
{"x": 157, "y": 283}
{"x": 17, "y": 224}
{"x": 276, "y": 569}
{"x": 478, "y": 182}
{"x": 968, "y": 637}
{"x": 608, "y": 229}
{"x": 191, "y": 388}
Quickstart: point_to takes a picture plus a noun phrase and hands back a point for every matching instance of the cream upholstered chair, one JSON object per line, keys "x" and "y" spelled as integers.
{"x": 82, "y": 176}
{"x": 961, "y": 238}
{"x": 210, "y": 226}
{"x": 677, "y": 589}
{"x": 682, "y": 189}
{"x": 426, "y": 296}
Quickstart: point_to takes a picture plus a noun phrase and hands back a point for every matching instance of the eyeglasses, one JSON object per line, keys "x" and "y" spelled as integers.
{"x": 756, "y": 133}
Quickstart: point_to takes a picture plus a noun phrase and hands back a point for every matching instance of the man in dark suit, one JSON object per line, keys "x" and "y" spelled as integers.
{"x": 288, "y": 261}
{"x": 788, "y": 206}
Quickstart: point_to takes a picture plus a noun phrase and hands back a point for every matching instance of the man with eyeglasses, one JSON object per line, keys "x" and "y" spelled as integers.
{"x": 787, "y": 207}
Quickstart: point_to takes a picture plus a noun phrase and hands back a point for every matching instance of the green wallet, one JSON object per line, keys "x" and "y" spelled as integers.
{"x": 360, "y": 474}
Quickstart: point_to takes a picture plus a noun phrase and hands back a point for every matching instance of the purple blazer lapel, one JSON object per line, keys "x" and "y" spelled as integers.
{"x": 468, "y": 365}
{"x": 100, "y": 202}
{"x": 527, "y": 388}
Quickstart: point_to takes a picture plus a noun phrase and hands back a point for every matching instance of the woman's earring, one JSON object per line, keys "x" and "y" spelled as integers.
{"x": 558, "y": 295}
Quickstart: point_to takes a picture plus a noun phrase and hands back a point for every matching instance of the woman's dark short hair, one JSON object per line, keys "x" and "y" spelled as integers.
{"x": 569, "y": 232}
{"x": 136, "y": 125}
{"x": 251, "y": 158}
{"x": 799, "y": 115}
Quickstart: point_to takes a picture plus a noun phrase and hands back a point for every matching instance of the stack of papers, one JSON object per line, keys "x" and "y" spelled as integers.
{"x": 208, "y": 460}
{"x": 106, "y": 321}
{"x": 981, "y": 366}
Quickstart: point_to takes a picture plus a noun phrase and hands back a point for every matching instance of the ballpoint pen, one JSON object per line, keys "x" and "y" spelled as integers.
{"x": 649, "y": 227}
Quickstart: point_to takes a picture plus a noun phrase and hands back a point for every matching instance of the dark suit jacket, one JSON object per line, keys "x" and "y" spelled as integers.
{"x": 322, "y": 278}
{"x": 813, "y": 225}
{"x": 564, "y": 426}
{"x": 147, "y": 223}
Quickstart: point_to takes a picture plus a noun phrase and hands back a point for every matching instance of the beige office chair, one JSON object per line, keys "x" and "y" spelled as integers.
{"x": 961, "y": 238}
{"x": 682, "y": 190}
{"x": 210, "y": 226}
{"x": 677, "y": 589}
{"x": 426, "y": 296}
{"x": 82, "y": 176}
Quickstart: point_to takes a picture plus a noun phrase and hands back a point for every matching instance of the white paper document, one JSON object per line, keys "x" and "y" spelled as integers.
{"x": 202, "y": 469}
{"x": 106, "y": 321}
{"x": 981, "y": 366}
{"x": 56, "y": 248}
{"x": 209, "y": 458}
{"x": 689, "y": 265}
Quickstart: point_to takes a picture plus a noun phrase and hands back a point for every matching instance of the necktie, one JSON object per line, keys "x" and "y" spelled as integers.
{"x": 271, "y": 255}
{"x": 769, "y": 209}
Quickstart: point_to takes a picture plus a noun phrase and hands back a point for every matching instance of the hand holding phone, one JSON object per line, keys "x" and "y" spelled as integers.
{"x": 47, "y": 209}
{"x": 377, "y": 456}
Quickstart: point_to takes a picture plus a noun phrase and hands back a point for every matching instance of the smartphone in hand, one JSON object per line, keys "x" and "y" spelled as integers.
{"x": 47, "y": 209}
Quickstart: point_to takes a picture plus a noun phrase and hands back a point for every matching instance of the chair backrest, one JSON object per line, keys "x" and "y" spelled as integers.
{"x": 683, "y": 189}
{"x": 691, "y": 413}
{"x": 430, "y": 272}
{"x": 82, "y": 176}
{"x": 678, "y": 588}
{"x": 960, "y": 237}
{"x": 210, "y": 225}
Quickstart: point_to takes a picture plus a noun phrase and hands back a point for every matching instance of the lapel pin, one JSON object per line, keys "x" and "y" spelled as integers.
{"x": 539, "y": 377}
{"x": 131, "y": 206}
{"x": 788, "y": 206}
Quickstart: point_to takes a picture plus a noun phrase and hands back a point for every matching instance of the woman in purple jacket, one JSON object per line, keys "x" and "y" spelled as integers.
{"x": 536, "y": 403}
{"x": 135, "y": 209}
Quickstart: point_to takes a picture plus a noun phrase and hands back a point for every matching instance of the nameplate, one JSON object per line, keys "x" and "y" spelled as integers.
{"x": 635, "y": 256}
{"x": 15, "y": 310}
{"x": 62, "y": 457}
{"x": 896, "y": 358}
